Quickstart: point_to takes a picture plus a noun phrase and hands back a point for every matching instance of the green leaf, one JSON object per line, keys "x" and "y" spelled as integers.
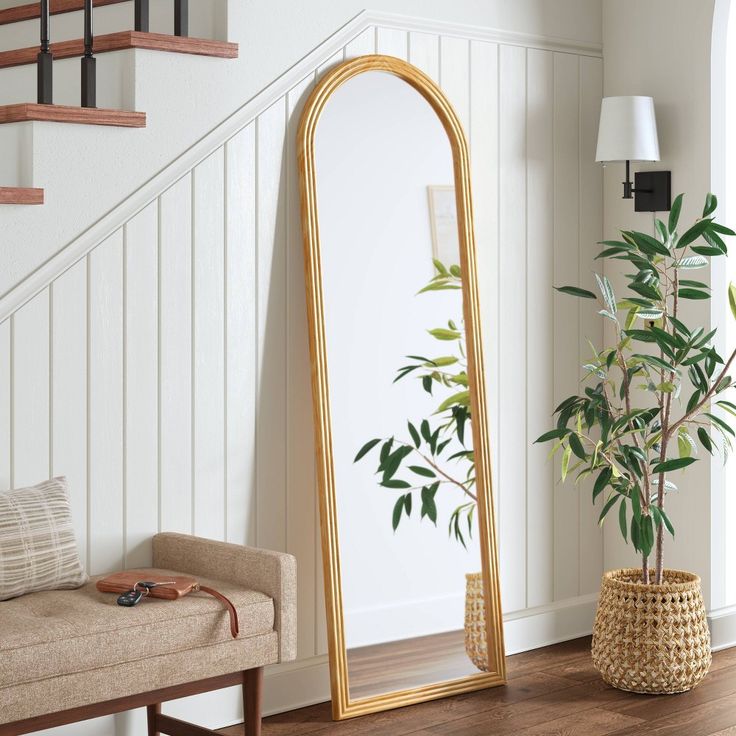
{"x": 667, "y": 522}
{"x": 398, "y": 510}
{"x": 716, "y": 241}
{"x": 565, "y": 462}
{"x": 622, "y": 518}
{"x": 706, "y": 250}
{"x": 685, "y": 443}
{"x": 398, "y": 484}
{"x": 711, "y": 202}
{"x": 692, "y": 262}
{"x": 386, "y": 450}
{"x": 439, "y": 286}
{"x": 462, "y": 398}
{"x": 675, "y": 213}
{"x": 611, "y": 501}
{"x": 441, "y": 270}
{"x": 732, "y": 298}
{"x": 427, "y": 384}
{"x": 693, "y": 294}
{"x": 601, "y": 482}
{"x": 429, "y": 507}
{"x": 694, "y": 232}
{"x": 675, "y": 464}
{"x": 647, "y": 244}
{"x": 414, "y": 434}
{"x": 407, "y": 504}
{"x": 705, "y": 439}
{"x": 722, "y": 229}
{"x": 367, "y": 447}
{"x": 607, "y": 293}
{"x": 577, "y": 446}
{"x": 647, "y": 534}
{"x": 647, "y": 291}
{"x": 440, "y": 333}
{"x": 426, "y": 432}
{"x": 419, "y": 470}
{"x": 720, "y": 423}
{"x": 575, "y": 291}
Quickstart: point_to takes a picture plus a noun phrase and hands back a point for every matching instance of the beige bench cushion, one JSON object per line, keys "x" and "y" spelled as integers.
{"x": 103, "y": 651}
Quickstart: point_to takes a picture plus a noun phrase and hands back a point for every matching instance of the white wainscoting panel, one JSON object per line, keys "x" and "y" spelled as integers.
{"x": 166, "y": 371}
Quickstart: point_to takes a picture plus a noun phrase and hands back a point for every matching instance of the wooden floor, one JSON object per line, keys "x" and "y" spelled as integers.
{"x": 398, "y": 665}
{"x": 551, "y": 692}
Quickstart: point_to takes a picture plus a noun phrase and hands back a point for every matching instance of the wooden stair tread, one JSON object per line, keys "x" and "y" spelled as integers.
{"x": 32, "y": 11}
{"x": 20, "y": 195}
{"x": 125, "y": 40}
{"x": 28, "y": 111}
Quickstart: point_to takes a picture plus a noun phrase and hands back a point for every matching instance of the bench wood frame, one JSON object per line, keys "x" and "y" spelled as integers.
{"x": 250, "y": 680}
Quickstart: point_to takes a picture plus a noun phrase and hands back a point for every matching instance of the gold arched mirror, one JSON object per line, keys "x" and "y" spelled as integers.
{"x": 403, "y": 455}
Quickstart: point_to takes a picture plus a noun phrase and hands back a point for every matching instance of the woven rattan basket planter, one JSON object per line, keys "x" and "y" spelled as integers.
{"x": 476, "y": 645}
{"x": 651, "y": 638}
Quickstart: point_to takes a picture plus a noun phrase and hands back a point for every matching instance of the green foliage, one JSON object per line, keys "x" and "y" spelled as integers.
{"x": 629, "y": 442}
{"x": 434, "y": 455}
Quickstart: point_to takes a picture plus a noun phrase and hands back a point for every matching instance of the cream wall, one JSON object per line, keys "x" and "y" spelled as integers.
{"x": 661, "y": 48}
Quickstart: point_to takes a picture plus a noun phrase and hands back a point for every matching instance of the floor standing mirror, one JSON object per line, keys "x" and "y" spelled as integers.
{"x": 403, "y": 454}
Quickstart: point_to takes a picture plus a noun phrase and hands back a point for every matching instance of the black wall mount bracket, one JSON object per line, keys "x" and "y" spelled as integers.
{"x": 652, "y": 191}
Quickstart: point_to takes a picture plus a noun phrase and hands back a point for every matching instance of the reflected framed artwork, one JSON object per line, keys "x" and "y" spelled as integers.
{"x": 403, "y": 455}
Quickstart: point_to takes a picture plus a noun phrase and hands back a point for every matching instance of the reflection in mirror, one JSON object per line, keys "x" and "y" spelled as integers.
{"x": 403, "y": 474}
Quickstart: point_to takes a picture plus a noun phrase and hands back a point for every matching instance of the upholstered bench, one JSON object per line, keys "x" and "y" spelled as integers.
{"x": 69, "y": 655}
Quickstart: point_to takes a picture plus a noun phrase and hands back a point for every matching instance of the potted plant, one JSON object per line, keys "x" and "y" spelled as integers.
{"x": 430, "y": 455}
{"x": 649, "y": 399}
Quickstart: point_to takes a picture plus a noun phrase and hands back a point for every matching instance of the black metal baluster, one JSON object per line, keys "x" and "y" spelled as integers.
{"x": 45, "y": 59}
{"x": 89, "y": 63}
{"x": 141, "y": 15}
{"x": 181, "y": 17}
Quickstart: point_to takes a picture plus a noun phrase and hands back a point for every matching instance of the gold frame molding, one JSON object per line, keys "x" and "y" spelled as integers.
{"x": 342, "y": 705}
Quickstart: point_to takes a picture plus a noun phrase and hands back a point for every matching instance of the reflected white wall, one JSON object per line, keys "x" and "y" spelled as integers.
{"x": 379, "y": 146}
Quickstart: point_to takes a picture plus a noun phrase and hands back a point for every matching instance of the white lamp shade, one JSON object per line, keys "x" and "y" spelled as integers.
{"x": 627, "y": 130}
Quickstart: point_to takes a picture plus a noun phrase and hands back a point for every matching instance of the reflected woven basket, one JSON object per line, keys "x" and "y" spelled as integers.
{"x": 476, "y": 644}
{"x": 651, "y": 638}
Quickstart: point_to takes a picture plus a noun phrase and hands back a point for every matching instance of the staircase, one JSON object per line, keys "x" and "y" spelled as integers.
{"x": 40, "y": 79}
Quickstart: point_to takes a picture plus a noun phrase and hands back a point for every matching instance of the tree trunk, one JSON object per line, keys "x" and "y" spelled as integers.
{"x": 645, "y": 569}
{"x": 660, "y": 555}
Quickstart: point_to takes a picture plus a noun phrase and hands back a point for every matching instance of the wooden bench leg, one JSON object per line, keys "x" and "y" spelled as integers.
{"x": 151, "y": 712}
{"x": 252, "y": 697}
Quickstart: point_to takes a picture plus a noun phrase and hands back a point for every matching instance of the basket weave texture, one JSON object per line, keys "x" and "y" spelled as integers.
{"x": 476, "y": 645}
{"x": 651, "y": 638}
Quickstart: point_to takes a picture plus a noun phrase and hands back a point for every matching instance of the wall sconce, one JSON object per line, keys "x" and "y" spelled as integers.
{"x": 628, "y": 132}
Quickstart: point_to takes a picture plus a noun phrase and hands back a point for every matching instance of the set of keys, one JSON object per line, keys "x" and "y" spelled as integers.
{"x": 140, "y": 590}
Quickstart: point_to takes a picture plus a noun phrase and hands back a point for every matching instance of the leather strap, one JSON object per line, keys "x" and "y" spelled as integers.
{"x": 234, "y": 624}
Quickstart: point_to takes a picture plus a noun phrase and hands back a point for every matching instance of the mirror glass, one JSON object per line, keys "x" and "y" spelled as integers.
{"x": 399, "y": 401}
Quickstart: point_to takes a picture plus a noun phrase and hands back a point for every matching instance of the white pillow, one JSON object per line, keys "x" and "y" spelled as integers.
{"x": 38, "y": 550}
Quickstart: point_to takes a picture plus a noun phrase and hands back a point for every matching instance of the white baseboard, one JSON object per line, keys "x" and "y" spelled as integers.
{"x": 296, "y": 685}
{"x": 722, "y": 623}
{"x": 532, "y": 628}
{"x": 408, "y": 618}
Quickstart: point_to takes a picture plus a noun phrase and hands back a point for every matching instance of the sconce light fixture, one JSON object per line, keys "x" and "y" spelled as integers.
{"x": 628, "y": 132}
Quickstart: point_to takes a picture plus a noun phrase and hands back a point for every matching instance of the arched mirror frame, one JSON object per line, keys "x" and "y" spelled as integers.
{"x": 342, "y": 705}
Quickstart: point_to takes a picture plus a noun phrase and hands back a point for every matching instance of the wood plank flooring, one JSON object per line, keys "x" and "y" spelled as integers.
{"x": 553, "y": 691}
{"x": 397, "y": 665}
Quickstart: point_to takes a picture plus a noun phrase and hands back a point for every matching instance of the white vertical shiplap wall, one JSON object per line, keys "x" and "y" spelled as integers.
{"x": 167, "y": 372}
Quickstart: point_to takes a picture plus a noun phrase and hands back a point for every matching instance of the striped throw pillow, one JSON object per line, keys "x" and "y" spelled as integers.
{"x": 38, "y": 550}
